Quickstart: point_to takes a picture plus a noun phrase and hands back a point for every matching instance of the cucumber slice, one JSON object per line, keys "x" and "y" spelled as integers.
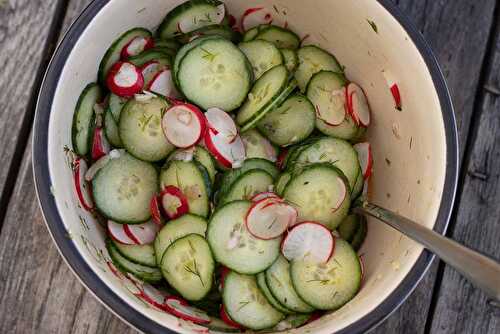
{"x": 292, "y": 321}
{"x": 188, "y": 267}
{"x": 313, "y": 59}
{"x": 111, "y": 130}
{"x": 262, "y": 284}
{"x": 290, "y": 59}
{"x": 250, "y": 34}
{"x": 115, "y": 105}
{"x": 263, "y": 56}
{"x": 168, "y": 43}
{"x": 358, "y": 185}
{"x": 123, "y": 189}
{"x": 320, "y": 91}
{"x": 215, "y": 29}
{"x": 203, "y": 157}
{"x": 163, "y": 49}
{"x": 149, "y": 55}
{"x": 280, "y": 283}
{"x": 360, "y": 235}
{"x": 347, "y": 130}
{"x": 349, "y": 226}
{"x": 112, "y": 55}
{"x": 281, "y": 37}
{"x": 328, "y": 286}
{"x": 338, "y": 152}
{"x": 257, "y": 146}
{"x": 140, "y": 129}
{"x": 246, "y": 304}
{"x": 359, "y": 134}
{"x": 316, "y": 194}
{"x": 269, "y": 86}
{"x": 190, "y": 15}
{"x": 248, "y": 185}
{"x": 140, "y": 254}
{"x": 175, "y": 229}
{"x": 282, "y": 182}
{"x": 215, "y": 73}
{"x": 84, "y": 119}
{"x": 186, "y": 176}
{"x": 147, "y": 274}
{"x": 297, "y": 113}
{"x": 233, "y": 246}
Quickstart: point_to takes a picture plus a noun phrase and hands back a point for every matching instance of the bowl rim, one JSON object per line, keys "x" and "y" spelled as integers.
{"x": 117, "y": 305}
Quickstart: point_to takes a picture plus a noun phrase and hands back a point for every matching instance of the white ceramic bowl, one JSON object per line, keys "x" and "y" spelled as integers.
{"x": 415, "y": 149}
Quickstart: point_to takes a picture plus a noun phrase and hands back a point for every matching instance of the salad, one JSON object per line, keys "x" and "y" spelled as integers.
{"x": 223, "y": 156}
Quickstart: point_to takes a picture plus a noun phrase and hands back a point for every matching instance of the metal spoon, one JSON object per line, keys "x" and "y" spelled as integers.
{"x": 481, "y": 270}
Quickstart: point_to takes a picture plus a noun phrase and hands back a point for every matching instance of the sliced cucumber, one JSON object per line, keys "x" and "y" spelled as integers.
{"x": 360, "y": 235}
{"x": 359, "y": 135}
{"x": 149, "y": 55}
{"x": 169, "y": 43}
{"x": 269, "y": 86}
{"x": 140, "y": 254}
{"x": 163, "y": 49}
{"x": 246, "y": 304}
{"x": 290, "y": 59}
{"x": 232, "y": 244}
{"x": 188, "y": 266}
{"x": 316, "y": 195}
{"x": 349, "y": 226}
{"x": 290, "y": 123}
{"x": 313, "y": 59}
{"x": 262, "y": 284}
{"x": 115, "y": 105}
{"x": 347, "y": 130}
{"x": 247, "y": 185}
{"x": 250, "y": 34}
{"x": 123, "y": 189}
{"x": 358, "y": 185}
{"x": 111, "y": 130}
{"x": 112, "y": 55}
{"x": 145, "y": 273}
{"x": 263, "y": 56}
{"x": 292, "y": 321}
{"x": 190, "y": 15}
{"x": 280, "y": 283}
{"x": 281, "y": 37}
{"x": 203, "y": 157}
{"x": 282, "y": 182}
{"x": 215, "y": 29}
{"x": 84, "y": 119}
{"x": 189, "y": 179}
{"x": 328, "y": 286}
{"x": 338, "y": 152}
{"x": 141, "y": 131}
{"x": 175, "y": 229}
{"x": 215, "y": 73}
{"x": 257, "y": 146}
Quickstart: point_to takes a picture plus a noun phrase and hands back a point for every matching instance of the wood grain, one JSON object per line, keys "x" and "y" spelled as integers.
{"x": 24, "y": 35}
{"x": 461, "y": 308}
{"x": 458, "y": 32}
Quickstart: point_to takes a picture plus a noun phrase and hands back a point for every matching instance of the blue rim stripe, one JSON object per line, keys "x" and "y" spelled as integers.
{"x": 118, "y": 305}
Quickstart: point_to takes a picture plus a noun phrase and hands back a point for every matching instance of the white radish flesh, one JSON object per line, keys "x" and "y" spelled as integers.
{"x": 221, "y": 123}
{"x": 180, "y": 308}
{"x": 118, "y": 234}
{"x": 358, "y": 104}
{"x": 142, "y": 233}
{"x": 183, "y": 125}
{"x": 310, "y": 241}
{"x": 82, "y": 187}
{"x": 229, "y": 154}
{"x": 365, "y": 157}
{"x": 163, "y": 84}
{"x": 270, "y": 218}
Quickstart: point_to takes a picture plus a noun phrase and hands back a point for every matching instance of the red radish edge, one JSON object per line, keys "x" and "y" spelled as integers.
{"x": 146, "y": 296}
{"x": 172, "y": 136}
{"x": 156, "y": 215}
{"x": 100, "y": 144}
{"x": 129, "y": 234}
{"x": 78, "y": 177}
{"x": 220, "y": 122}
{"x": 397, "y": 96}
{"x": 175, "y": 192}
{"x": 314, "y": 316}
{"x": 362, "y": 265}
{"x": 281, "y": 159}
{"x": 364, "y": 151}
{"x": 181, "y": 315}
{"x": 309, "y": 222}
{"x": 263, "y": 195}
{"x": 118, "y": 80}
{"x": 211, "y": 147}
{"x": 114, "y": 270}
{"x": 118, "y": 233}
{"x": 352, "y": 89}
{"x": 227, "y": 319}
{"x": 210, "y": 144}
{"x": 340, "y": 201}
{"x": 142, "y": 234}
{"x": 124, "y": 54}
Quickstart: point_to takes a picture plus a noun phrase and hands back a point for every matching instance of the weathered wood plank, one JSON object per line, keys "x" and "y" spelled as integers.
{"x": 24, "y": 30}
{"x": 461, "y": 308}
{"x": 458, "y": 32}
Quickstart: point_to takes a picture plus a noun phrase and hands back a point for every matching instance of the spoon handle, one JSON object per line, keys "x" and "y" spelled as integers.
{"x": 479, "y": 269}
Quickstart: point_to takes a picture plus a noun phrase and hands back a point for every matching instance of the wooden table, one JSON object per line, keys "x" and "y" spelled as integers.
{"x": 38, "y": 293}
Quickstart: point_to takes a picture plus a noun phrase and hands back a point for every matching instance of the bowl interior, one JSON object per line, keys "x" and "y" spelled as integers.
{"x": 409, "y": 146}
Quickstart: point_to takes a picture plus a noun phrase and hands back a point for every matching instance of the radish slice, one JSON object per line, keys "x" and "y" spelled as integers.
{"x": 310, "y": 241}
{"x": 100, "y": 144}
{"x": 253, "y": 17}
{"x": 149, "y": 70}
{"x": 224, "y": 272}
{"x": 365, "y": 158}
{"x": 190, "y": 23}
{"x": 183, "y": 125}
{"x": 227, "y": 154}
{"x": 263, "y": 195}
{"x": 227, "y": 320}
{"x": 136, "y": 46}
{"x": 152, "y": 296}
{"x": 174, "y": 202}
{"x": 117, "y": 232}
{"x": 280, "y": 161}
{"x": 221, "y": 123}
{"x": 269, "y": 218}
{"x": 82, "y": 187}
{"x": 358, "y": 104}
{"x": 342, "y": 191}
{"x": 163, "y": 84}
{"x": 141, "y": 234}
{"x": 115, "y": 270}
{"x": 156, "y": 215}
{"x": 125, "y": 79}
{"x": 180, "y": 308}
{"x": 334, "y": 113}
{"x": 394, "y": 88}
